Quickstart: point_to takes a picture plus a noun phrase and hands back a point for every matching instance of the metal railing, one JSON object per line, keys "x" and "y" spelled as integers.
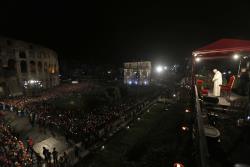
{"x": 203, "y": 150}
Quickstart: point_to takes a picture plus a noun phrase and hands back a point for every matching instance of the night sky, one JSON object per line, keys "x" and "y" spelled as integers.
{"x": 108, "y": 32}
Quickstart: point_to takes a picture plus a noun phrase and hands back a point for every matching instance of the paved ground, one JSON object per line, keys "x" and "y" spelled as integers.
{"x": 40, "y": 137}
{"x": 155, "y": 140}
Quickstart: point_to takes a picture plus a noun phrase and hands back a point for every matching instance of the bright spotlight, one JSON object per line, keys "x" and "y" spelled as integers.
{"x": 178, "y": 165}
{"x": 159, "y": 69}
{"x": 236, "y": 56}
{"x": 165, "y": 67}
{"x": 184, "y": 128}
{"x": 32, "y": 81}
{"x": 197, "y": 59}
{"x": 174, "y": 95}
{"x": 187, "y": 110}
{"x": 129, "y": 82}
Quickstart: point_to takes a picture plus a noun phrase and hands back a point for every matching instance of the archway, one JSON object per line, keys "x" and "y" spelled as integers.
{"x": 23, "y": 66}
{"x": 40, "y": 66}
{"x": 32, "y": 67}
{"x": 12, "y": 64}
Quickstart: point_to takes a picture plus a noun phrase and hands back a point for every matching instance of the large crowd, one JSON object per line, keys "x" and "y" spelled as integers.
{"x": 60, "y": 91}
{"x": 13, "y": 151}
{"x": 79, "y": 126}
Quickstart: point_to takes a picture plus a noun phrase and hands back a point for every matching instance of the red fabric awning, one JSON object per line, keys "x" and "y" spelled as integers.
{"x": 222, "y": 48}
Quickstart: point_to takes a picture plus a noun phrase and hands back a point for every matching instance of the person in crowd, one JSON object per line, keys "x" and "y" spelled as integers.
{"x": 38, "y": 159}
{"x": 49, "y": 156}
{"x": 55, "y": 156}
{"x": 76, "y": 152}
{"x": 65, "y": 159}
{"x": 61, "y": 162}
{"x": 29, "y": 144}
{"x": 45, "y": 154}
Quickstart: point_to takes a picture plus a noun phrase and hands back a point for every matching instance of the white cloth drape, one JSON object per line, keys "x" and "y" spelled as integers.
{"x": 217, "y": 79}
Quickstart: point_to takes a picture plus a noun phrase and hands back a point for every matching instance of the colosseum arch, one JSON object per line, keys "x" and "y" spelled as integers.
{"x": 32, "y": 67}
{"x": 23, "y": 66}
{"x": 40, "y": 67}
{"x": 54, "y": 68}
{"x": 49, "y": 69}
{"x": 45, "y": 67}
{"x": 12, "y": 64}
{"x": 22, "y": 55}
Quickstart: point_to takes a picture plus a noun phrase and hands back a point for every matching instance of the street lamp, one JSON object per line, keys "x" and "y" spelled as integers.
{"x": 184, "y": 128}
{"x": 197, "y": 59}
{"x": 159, "y": 69}
{"x": 178, "y": 165}
{"x": 236, "y": 56}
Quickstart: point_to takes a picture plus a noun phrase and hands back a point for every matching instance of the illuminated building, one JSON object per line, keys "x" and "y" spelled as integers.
{"x": 137, "y": 73}
{"x": 24, "y": 65}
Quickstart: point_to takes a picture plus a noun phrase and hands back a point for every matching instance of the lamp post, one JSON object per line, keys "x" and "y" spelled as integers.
{"x": 159, "y": 69}
{"x": 236, "y": 57}
{"x": 238, "y": 74}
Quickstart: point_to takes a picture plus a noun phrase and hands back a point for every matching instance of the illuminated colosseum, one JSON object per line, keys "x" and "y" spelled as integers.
{"x": 25, "y": 67}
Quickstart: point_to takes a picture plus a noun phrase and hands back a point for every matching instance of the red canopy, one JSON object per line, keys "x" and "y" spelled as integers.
{"x": 223, "y": 46}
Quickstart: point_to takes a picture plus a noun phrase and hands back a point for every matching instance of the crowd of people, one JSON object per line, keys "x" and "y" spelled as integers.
{"x": 13, "y": 151}
{"x": 79, "y": 125}
{"x": 60, "y": 91}
{"x": 76, "y": 125}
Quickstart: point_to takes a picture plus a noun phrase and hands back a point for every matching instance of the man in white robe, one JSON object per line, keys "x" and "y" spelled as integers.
{"x": 217, "y": 79}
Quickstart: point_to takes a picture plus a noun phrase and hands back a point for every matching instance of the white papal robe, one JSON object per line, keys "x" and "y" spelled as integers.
{"x": 217, "y": 79}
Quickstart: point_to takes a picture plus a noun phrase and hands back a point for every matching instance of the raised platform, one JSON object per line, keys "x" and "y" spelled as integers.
{"x": 226, "y": 101}
{"x": 50, "y": 143}
{"x": 232, "y": 141}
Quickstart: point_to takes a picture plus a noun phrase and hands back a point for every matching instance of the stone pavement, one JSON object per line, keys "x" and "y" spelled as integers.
{"x": 41, "y": 138}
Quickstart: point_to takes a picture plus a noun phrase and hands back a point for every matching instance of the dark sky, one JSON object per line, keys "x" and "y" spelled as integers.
{"x": 108, "y": 32}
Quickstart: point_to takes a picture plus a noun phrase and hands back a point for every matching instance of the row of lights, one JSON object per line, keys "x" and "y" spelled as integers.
{"x": 183, "y": 128}
{"x": 160, "y": 69}
{"x": 32, "y": 83}
{"x": 136, "y": 82}
{"x": 235, "y": 57}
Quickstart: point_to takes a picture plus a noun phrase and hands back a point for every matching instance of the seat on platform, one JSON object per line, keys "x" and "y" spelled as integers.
{"x": 228, "y": 87}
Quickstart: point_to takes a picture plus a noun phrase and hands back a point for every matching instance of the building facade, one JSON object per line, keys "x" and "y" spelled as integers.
{"x": 25, "y": 66}
{"x": 138, "y": 73}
